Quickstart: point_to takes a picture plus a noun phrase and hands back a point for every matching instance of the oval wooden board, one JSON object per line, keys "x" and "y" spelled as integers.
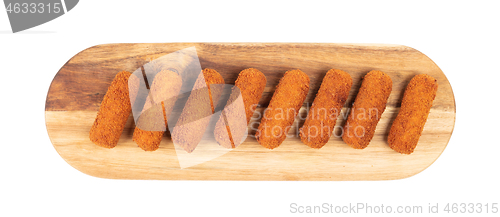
{"x": 78, "y": 88}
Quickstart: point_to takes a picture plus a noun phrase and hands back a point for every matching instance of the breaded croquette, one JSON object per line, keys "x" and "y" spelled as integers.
{"x": 195, "y": 116}
{"x": 152, "y": 123}
{"x": 113, "y": 113}
{"x": 367, "y": 109}
{"x": 230, "y": 128}
{"x": 415, "y": 107}
{"x": 283, "y": 108}
{"x": 325, "y": 109}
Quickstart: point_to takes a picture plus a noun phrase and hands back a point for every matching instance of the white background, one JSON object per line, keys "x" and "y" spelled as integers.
{"x": 461, "y": 38}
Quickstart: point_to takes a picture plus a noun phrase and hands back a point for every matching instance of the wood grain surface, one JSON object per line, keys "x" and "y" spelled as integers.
{"x": 78, "y": 88}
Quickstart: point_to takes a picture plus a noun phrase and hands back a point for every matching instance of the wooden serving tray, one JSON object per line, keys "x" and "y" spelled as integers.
{"x": 78, "y": 88}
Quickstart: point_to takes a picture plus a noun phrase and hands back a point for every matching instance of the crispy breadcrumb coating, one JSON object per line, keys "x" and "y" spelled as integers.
{"x": 164, "y": 91}
{"x": 415, "y": 107}
{"x": 229, "y": 130}
{"x": 283, "y": 108}
{"x": 193, "y": 120}
{"x": 113, "y": 113}
{"x": 325, "y": 109}
{"x": 367, "y": 109}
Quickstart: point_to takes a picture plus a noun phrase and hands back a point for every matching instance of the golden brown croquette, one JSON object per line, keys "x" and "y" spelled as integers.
{"x": 327, "y": 105}
{"x": 194, "y": 118}
{"x": 283, "y": 108}
{"x": 415, "y": 107}
{"x": 113, "y": 113}
{"x": 229, "y": 131}
{"x": 367, "y": 109}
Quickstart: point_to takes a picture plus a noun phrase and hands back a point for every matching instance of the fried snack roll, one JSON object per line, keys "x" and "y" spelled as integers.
{"x": 249, "y": 85}
{"x": 325, "y": 109}
{"x": 113, "y": 113}
{"x": 165, "y": 89}
{"x": 283, "y": 108}
{"x": 367, "y": 109}
{"x": 415, "y": 107}
{"x": 194, "y": 118}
